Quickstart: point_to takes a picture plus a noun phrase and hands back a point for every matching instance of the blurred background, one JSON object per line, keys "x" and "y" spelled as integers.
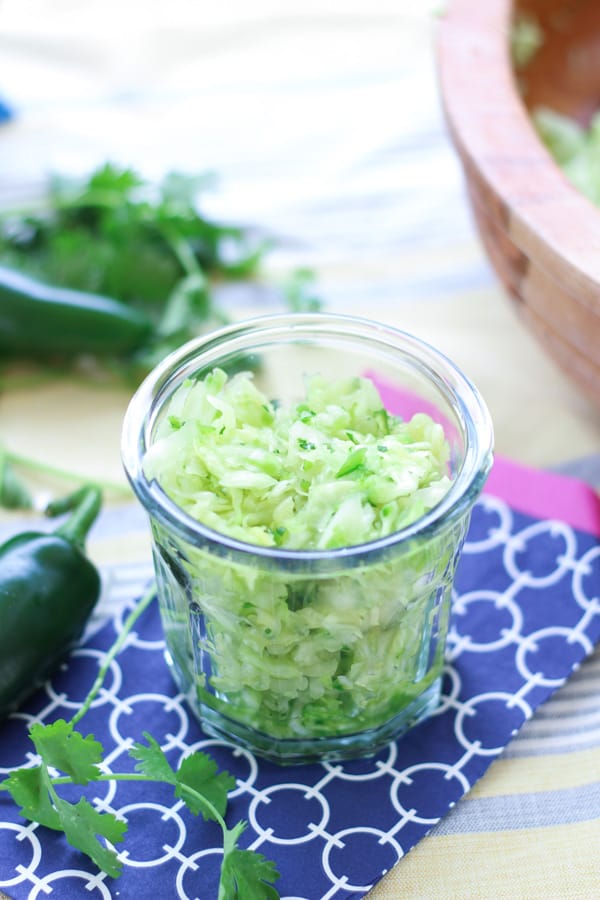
{"x": 320, "y": 119}
{"x": 323, "y": 124}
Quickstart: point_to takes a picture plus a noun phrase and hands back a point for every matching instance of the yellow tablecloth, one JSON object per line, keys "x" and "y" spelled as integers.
{"x": 323, "y": 122}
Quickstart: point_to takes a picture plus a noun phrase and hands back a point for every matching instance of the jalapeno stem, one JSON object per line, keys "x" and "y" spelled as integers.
{"x": 35, "y": 465}
{"x": 85, "y": 505}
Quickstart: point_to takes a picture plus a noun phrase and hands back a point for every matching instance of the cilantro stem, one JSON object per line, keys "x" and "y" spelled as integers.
{"x": 136, "y": 776}
{"x": 108, "y": 776}
{"x": 49, "y": 781}
{"x": 130, "y": 621}
{"x": 186, "y": 789}
{"x": 182, "y": 250}
{"x": 35, "y": 465}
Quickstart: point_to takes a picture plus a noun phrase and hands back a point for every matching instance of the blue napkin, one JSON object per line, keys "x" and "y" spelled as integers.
{"x": 526, "y": 613}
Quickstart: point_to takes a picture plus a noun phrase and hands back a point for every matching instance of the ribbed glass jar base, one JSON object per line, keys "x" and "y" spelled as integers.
{"x": 287, "y": 751}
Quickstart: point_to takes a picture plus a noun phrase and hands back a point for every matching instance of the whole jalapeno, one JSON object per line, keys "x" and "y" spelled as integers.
{"x": 48, "y": 589}
{"x": 36, "y": 318}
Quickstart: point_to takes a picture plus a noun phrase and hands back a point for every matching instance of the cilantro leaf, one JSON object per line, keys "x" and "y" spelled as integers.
{"x": 189, "y": 300}
{"x": 197, "y": 781}
{"x": 82, "y": 823}
{"x": 200, "y": 773}
{"x": 245, "y": 874}
{"x": 248, "y": 875}
{"x": 29, "y": 790}
{"x": 152, "y": 762}
{"x": 60, "y": 746}
{"x": 65, "y": 749}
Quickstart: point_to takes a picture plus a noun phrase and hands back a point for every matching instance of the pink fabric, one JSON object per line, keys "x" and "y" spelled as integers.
{"x": 545, "y": 495}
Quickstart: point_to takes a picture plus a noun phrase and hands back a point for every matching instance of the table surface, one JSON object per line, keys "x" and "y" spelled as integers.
{"x": 322, "y": 120}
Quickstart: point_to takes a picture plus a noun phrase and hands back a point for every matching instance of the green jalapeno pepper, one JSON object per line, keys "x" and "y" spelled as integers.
{"x": 36, "y": 318}
{"x": 48, "y": 589}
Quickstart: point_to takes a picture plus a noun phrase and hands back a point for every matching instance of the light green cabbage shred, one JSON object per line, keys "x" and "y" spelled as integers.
{"x": 526, "y": 38}
{"x": 333, "y": 470}
{"x": 575, "y": 148}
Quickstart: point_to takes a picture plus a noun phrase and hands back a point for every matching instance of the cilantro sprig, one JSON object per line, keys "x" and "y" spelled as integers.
{"x": 68, "y": 757}
{"x": 148, "y": 244}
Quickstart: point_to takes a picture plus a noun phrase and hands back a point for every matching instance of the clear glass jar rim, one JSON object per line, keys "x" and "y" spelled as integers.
{"x": 459, "y": 391}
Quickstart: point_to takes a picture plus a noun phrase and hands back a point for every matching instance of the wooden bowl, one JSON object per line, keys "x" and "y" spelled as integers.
{"x": 541, "y": 235}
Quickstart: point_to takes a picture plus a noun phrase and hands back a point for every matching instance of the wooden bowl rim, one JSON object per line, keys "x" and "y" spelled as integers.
{"x": 547, "y": 218}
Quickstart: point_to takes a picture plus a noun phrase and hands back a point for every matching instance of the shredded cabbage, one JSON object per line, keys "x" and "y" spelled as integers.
{"x": 326, "y": 652}
{"x": 331, "y": 471}
{"x": 575, "y": 148}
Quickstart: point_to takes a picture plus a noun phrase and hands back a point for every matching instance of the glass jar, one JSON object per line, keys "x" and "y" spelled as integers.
{"x": 302, "y": 655}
